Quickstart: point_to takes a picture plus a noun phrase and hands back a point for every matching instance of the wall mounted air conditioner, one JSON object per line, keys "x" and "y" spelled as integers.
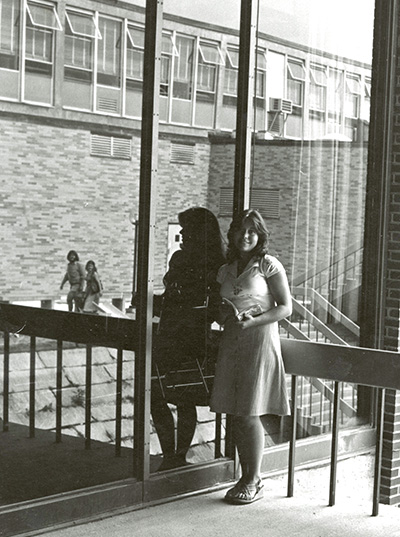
{"x": 280, "y": 105}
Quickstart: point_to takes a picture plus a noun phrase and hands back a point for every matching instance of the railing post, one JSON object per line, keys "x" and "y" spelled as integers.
{"x": 292, "y": 444}
{"x": 118, "y": 404}
{"x": 218, "y": 431}
{"x": 32, "y": 387}
{"x": 59, "y": 391}
{"x": 88, "y": 396}
{"x": 334, "y": 450}
{"x": 6, "y": 381}
{"x": 378, "y": 452}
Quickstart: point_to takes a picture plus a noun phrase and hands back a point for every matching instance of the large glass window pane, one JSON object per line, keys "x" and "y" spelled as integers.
{"x": 308, "y": 125}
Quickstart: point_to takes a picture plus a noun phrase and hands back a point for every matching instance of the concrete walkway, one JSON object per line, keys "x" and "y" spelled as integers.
{"x": 304, "y": 515}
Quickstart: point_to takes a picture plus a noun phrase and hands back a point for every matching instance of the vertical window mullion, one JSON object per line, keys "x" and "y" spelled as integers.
{"x": 195, "y": 78}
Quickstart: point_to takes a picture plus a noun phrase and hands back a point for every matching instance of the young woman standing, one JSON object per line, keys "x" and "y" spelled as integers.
{"x": 250, "y": 378}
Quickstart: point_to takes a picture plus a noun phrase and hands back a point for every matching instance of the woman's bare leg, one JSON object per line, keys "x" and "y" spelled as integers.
{"x": 249, "y": 436}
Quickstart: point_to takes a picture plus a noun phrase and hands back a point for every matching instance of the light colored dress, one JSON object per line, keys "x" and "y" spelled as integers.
{"x": 92, "y": 297}
{"x": 250, "y": 376}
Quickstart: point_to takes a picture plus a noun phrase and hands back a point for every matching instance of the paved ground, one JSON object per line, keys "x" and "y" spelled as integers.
{"x": 304, "y": 515}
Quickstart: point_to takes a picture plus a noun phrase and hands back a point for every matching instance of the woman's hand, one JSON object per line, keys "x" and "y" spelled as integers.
{"x": 247, "y": 321}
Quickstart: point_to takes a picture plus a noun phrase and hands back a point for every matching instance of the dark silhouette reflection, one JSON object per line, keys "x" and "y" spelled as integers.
{"x": 188, "y": 308}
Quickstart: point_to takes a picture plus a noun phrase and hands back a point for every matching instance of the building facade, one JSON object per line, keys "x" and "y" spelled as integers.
{"x": 71, "y": 97}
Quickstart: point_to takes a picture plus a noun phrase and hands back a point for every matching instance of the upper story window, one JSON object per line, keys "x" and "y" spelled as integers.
{"x": 183, "y": 70}
{"x": 260, "y": 73}
{"x": 9, "y": 35}
{"x": 366, "y": 108}
{"x": 296, "y": 75}
{"x": 335, "y": 96}
{"x": 168, "y": 51}
{"x": 352, "y": 96}
{"x": 210, "y": 57}
{"x": 135, "y": 53}
{"x": 42, "y": 20}
{"x": 109, "y": 52}
{"x": 318, "y": 88}
{"x": 231, "y": 71}
{"x": 80, "y": 32}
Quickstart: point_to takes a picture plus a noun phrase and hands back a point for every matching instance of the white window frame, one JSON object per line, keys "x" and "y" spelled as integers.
{"x": 231, "y": 70}
{"x": 132, "y": 46}
{"x": 314, "y": 81}
{"x": 261, "y": 71}
{"x": 132, "y": 26}
{"x": 356, "y": 91}
{"x": 57, "y": 26}
{"x": 170, "y": 37}
{"x": 96, "y": 34}
{"x": 232, "y": 48}
{"x": 213, "y": 45}
{"x": 12, "y": 50}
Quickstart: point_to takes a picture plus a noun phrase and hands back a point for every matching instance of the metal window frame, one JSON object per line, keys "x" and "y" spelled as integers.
{"x": 45, "y": 5}
{"x": 12, "y": 51}
{"x": 321, "y": 69}
{"x": 214, "y": 45}
{"x": 300, "y": 63}
{"x": 171, "y": 38}
{"x": 87, "y": 14}
{"x": 129, "y": 36}
{"x": 232, "y": 48}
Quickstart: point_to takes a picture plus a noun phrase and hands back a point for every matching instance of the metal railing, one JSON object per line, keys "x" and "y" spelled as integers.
{"x": 303, "y": 359}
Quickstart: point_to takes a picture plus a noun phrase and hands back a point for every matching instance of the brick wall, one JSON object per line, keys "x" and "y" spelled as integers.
{"x": 390, "y": 487}
{"x": 390, "y": 484}
{"x": 55, "y": 197}
{"x": 321, "y": 189}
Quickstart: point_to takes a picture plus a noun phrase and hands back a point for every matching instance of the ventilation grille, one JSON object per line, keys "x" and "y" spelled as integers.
{"x": 110, "y": 146}
{"x": 266, "y": 201}
{"x": 107, "y": 105}
{"x": 182, "y": 153}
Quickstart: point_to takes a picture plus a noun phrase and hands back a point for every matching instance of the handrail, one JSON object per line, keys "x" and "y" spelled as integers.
{"x": 319, "y": 325}
{"x": 322, "y": 267}
{"x": 355, "y": 365}
{"x": 328, "y": 308}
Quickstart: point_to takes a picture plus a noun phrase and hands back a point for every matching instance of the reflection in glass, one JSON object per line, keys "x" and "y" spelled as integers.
{"x": 309, "y": 128}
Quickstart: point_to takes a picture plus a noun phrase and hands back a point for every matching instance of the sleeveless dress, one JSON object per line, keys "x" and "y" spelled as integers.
{"x": 250, "y": 376}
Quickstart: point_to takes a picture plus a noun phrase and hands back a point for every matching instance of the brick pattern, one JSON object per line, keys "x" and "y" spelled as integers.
{"x": 55, "y": 197}
{"x": 390, "y": 489}
{"x": 322, "y": 194}
{"x": 390, "y": 484}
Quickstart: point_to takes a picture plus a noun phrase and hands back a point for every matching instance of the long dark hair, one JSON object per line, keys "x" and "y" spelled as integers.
{"x": 90, "y": 262}
{"x": 260, "y": 227}
{"x": 203, "y": 227}
{"x": 73, "y": 252}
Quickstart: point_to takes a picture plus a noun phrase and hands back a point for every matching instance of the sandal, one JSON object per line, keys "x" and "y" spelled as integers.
{"x": 245, "y": 494}
{"x": 232, "y": 492}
